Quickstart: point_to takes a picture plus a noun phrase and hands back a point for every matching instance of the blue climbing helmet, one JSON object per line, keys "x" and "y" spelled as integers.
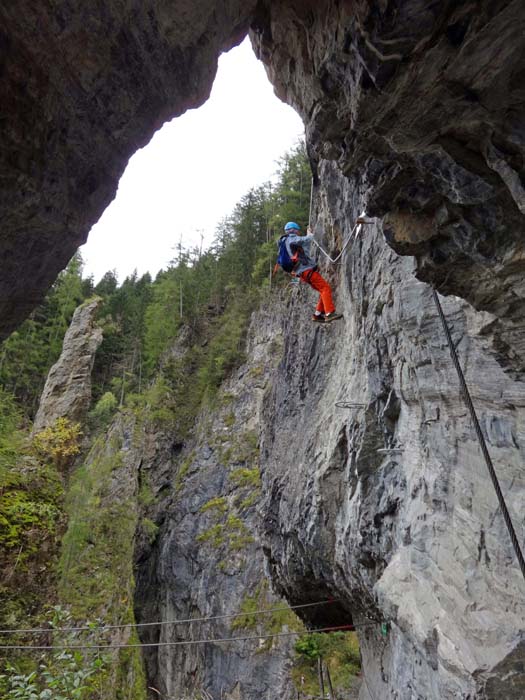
{"x": 291, "y": 226}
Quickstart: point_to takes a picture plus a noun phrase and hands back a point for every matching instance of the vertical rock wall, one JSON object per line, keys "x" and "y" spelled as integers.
{"x": 67, "y": 392}
{"x": 83, "y": 87}
{"x": 207, "y": 559}
{"x": 413, "y": 536}
{"x": 422, "y": 105}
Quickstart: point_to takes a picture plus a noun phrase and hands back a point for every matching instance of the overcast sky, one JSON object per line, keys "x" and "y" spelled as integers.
{"x": 193, "y": 171}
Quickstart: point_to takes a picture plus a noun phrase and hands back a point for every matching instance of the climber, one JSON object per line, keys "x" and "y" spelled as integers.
{"x": 294, "y": 257}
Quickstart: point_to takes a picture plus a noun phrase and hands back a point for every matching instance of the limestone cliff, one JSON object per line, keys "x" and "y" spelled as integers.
{"x": 414, "y": 113}
{"x": 67, "y": 392}
{"x": 421, "y": 106}
{"x": 414, "y": 535}
{"x": 84, "y": 86}
{"x": 207, "y": 558}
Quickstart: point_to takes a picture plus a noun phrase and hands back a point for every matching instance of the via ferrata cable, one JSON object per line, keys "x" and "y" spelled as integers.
{"x": 481, "y": 437}
{"x": 355, "y": 230}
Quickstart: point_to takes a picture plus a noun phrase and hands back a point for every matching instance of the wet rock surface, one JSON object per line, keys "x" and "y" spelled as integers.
{"x": 67, "y": 392}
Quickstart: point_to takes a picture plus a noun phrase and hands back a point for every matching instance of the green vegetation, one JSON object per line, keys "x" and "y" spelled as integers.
{"x": 282, "y": 618}
{"x": 182, "y": 472}
{"x": 246, "y": 477}
{"x": 104, "y": 410}
{"x": 146, "y": 495}
{"x": 59, "y": 442}
{"x": 150, "y": 529}
{"x": 338, "y": 650}
{"x": 31, "y": 520}
{"x": 96, "y": 563}
{"x": 169, "y": 343}
{"x": 214, "y": 535}
{"x": 218, "y": 503}
{"x": 230, "y": 529}
{"x": 65, "y": 675}
{"x": 28, "y": 354}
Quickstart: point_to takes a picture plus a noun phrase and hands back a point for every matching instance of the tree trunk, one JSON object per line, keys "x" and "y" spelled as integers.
{"x": 321, "y": 678}
{"x": 330, "y": 687}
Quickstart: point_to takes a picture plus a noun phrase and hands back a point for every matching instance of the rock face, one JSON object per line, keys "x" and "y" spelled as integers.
{"x": 82, "y": 89}
{"x": 207, "y": 559}
{"x": 67, "y": 392}
{"x": 421, "y": 105}
{"x": 414, "y": 536}
{"x": 415, "y": 113}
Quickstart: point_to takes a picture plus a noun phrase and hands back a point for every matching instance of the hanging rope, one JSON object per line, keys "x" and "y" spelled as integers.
{"x": 311, "y": 202}
{"x": 356, "y": 229}
{"x": 479, "y": 433}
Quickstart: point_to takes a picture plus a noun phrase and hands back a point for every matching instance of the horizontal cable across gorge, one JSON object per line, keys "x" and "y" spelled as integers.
{"x": 102, "y": 628}
{"x": 188, "y": 642}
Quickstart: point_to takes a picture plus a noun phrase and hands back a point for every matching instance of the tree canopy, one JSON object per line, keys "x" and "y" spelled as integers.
{"x": 141, "y": 318}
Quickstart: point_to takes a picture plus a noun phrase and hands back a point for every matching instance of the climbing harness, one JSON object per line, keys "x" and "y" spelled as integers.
{"x": 479, "y": 433}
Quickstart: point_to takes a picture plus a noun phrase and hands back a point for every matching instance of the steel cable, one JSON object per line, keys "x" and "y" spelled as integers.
{"x": 92, "y": 628}
{"x": 185, "y": 642}
{"x": 481, "y": 438}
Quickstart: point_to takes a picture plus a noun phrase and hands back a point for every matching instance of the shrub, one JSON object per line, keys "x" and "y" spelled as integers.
{"x": 150, "y": 529}
{"x": 219, "y": 503}
{"x": 340, "y": 652}
{"x": 104, "y": 409}
{"x": 59, "y": 442}
{"x": 66, "y": 675}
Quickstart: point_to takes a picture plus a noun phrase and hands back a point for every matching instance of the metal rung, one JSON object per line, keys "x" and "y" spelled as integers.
{"x": 390, "y": 450}
{"x": 349, "y": 404}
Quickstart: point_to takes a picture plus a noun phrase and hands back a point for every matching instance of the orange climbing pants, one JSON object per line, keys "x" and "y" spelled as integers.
{"x": 325, "y": 304}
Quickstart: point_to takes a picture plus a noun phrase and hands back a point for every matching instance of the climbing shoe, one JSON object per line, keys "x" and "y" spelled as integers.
{"x": 332, "y": 317}
{"x": 318, "y": 318}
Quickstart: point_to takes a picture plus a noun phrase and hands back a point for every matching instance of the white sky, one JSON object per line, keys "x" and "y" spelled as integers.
{"x": 194, "y": 171}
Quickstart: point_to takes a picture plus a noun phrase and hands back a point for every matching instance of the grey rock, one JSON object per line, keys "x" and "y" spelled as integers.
{"x": 423, "y": 102}
{"x": 83, "y": 87}
{"x": 413, "y": 536}
{"x": 190, "y": 572}
{"x": 67, "y": 391}
{"x": 419, "y": 108}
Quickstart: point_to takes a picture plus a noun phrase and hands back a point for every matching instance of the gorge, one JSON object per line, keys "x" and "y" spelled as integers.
{"x": 414, "y": 114}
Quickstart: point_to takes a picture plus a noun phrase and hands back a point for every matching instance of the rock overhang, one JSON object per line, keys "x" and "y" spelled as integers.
{"x": 420, "y": 105}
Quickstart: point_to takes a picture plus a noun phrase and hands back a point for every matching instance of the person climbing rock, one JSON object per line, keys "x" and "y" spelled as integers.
{"x": 295, "y": 257}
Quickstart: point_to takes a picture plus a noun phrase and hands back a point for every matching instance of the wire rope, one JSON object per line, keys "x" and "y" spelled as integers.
{"x": 85, "y": 628}
{"x": 185, "y": 642}
{"x": 480, "y": 436}
{"x": 356, "y": 230}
